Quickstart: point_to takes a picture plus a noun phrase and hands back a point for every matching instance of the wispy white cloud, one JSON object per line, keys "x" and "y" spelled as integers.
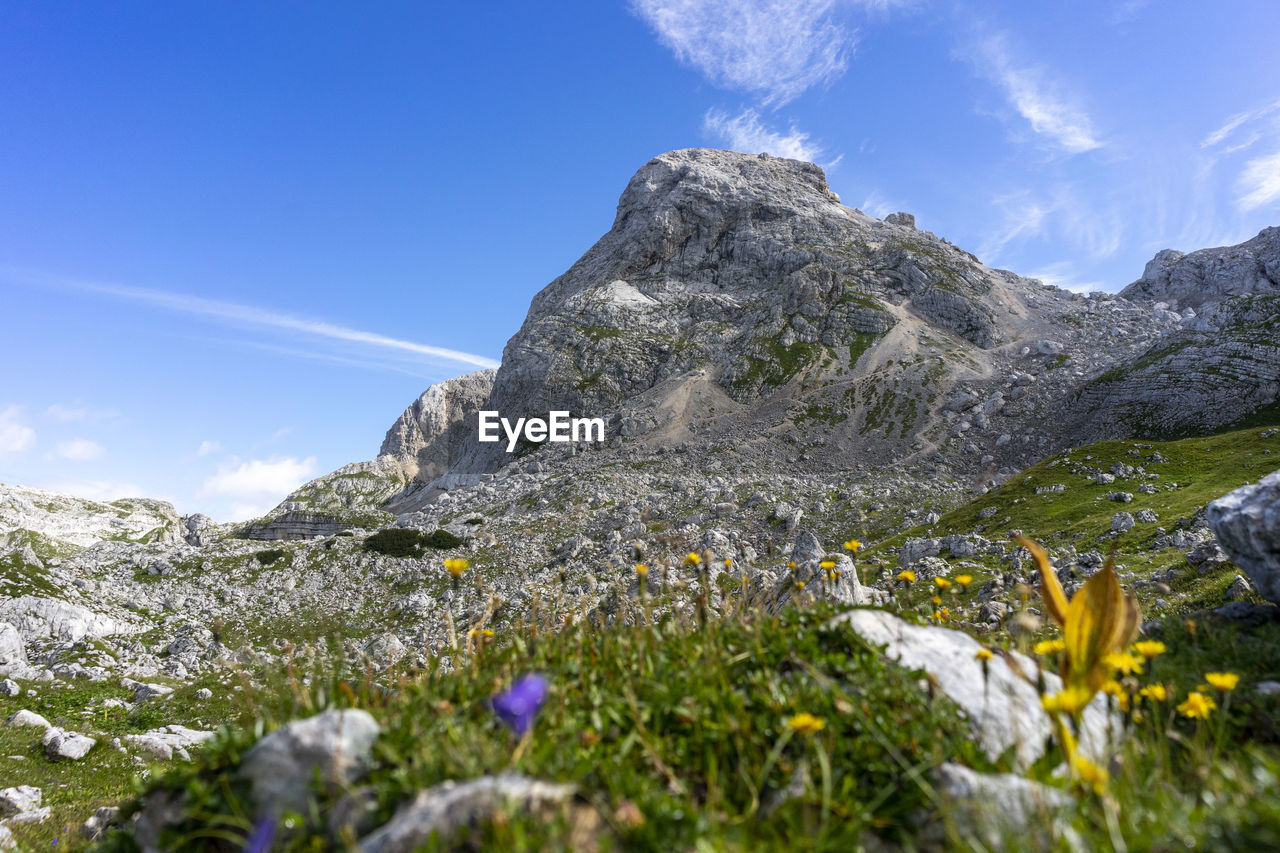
{"x": 1259, "y": 183}
{"x": 79, "y": 450}
{"x": 878, "y": 205}
{"x": 1050, "y": 112}
{"x": 1062, "y": 274}
{"x": 744, "y": 132}
{"x": 259, "y": 480}
{"x": 775, "y": 48}
{"x": 15, "y": 435}
{"x": 1235, "y": 122}
{"x": 1023, "y": 218}
{"x": 206, "y": 447}
{"x": 67, "y": 414}
{"x": 249, "y": 315}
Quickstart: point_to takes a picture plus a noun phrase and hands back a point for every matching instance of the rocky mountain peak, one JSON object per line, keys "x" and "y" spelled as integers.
{"x": 1211, "y": 275}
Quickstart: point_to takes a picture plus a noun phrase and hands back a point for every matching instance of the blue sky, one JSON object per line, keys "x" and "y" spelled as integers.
{"x": 237, "y": 239}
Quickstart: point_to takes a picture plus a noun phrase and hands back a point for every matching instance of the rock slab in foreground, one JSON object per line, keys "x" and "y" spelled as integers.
{"x": 1003, "y": 707}
{"x": 1247, "y": 524}
{"x": 444, "y": 809}
{"x": 994, "y": 807}
{"x": 281, "y": 765}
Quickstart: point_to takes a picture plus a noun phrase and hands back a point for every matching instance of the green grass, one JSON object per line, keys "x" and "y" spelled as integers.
{"x": 684, "y": 723}
{"x": 74, "y": 789}
{"x": 688, "y": 724}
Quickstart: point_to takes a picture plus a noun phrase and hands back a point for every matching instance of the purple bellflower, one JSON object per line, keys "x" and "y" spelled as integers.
{"x": 519, "y": 704}
{"x": 263, "y": 836}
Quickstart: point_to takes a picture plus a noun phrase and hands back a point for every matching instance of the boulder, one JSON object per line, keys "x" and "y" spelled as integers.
{"x": 170, "y": 741}
{"x": 28, "y": 718}
{"x": 996, "y": 807}
{"x": 95, "y": 827}
{"x": 280, "y": 767}
{"x": 1247, "y": 524}
{"x": 1002, "y": 704}
{"x": 72, "y": 746}
{"x": 12, "y": 649}
{"x": 23, "y": 798}
{"x": 437, "y": 813}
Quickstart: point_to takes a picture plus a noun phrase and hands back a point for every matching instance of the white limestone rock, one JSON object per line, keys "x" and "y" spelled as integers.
{"x": 280, "y": 766}
{"x": 1247, "y": 524}
{"x": 1003, "y": 707}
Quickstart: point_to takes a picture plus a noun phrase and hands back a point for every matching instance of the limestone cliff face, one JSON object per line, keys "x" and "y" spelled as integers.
{"x": 427, "y": 438}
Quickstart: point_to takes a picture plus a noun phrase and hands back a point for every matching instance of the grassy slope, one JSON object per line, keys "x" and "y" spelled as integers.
{"x": 680, "y": 721}
{"x": 1197, "y": 471}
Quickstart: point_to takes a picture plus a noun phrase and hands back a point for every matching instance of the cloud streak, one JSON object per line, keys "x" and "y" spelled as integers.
{"x": 744, "y": 132}
{"x": 774, "y": 48}
{"x": 1259, "y": 183}
{"x": 249, "y": 315}
{"x": 15, "y": 436}
{"x": 1037, "y": 99}
{"x": 79, "y": 450}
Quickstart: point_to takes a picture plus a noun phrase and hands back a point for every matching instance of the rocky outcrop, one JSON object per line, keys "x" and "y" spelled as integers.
{"x": 61, "y": 523}
{"x": 426, "y": 439}
{"x": 1247, "y": 524}
{"x": 1211, "y": 275}
{"x": 1205, "y": 373}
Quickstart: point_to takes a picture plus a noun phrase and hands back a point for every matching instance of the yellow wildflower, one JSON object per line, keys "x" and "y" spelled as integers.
{"x": 1115, "y": 690}
{"x": 1224, "y": 682}
{"x": 853, "y": 545}
{"x": 1197, "y": 705}
{"x": 936, "y": 599}
{"x": 1098, "y": 620}
{"x": 828, "y": 564}
{"x": 806, "y": 723}
{"x": 942, "y": 583}
{"x": 940, "y": 615}
{"x": 1124, "y": 663}
{"x": 693, "y": 559}
{"x": 1154, "y": 693}
{"x": 799, "y": 584}
{"x": 907, "y": 575}
{"x": 1090, "y": 774}
{"x": 1150, "y": 648}
{"x": 456, "y": 566}
{"x": 642, "y": 570}
{"x": 791, "y": 565}
{"x": 964, "y": 580}
{"x": 728, "y": 563}
{"x": 1049, "y": 647}
{"x": 1072, "y": 700}
{"x": 984, "y": 654}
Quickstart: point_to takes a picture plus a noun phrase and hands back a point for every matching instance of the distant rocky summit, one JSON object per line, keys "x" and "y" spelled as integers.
{"x": 1211, "y": 275}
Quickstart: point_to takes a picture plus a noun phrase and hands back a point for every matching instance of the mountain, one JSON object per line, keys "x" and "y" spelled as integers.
{"x": 736, "y": 310}
{"x": 778, "y": 373}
